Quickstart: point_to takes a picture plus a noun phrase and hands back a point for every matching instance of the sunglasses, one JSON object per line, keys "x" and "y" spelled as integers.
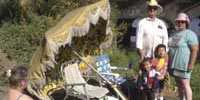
{"x": 152, "y": 7}
{"x": 180, "y": 21}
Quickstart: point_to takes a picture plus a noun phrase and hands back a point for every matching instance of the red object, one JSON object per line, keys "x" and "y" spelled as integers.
{"x": 150, "y": 81}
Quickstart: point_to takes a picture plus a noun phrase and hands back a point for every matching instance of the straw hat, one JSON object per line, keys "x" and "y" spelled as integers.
{"x": 154, "y": 3}
{"x": 183, "y": 17}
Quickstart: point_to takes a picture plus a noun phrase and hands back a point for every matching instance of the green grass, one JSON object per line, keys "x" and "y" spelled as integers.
{"x": 123, "y": 58}
{"x": 195, "y": 82}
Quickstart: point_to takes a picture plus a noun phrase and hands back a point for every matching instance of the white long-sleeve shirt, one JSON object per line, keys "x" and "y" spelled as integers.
{"x": 149, "y": 34}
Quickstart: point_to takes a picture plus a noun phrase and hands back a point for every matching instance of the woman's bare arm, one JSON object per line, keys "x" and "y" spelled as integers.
{"x": 193, "y": 55}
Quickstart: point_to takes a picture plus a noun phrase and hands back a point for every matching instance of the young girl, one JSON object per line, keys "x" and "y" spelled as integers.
{"x": 17, "y": 84}
{"x": 147, "y": 79}
{"x": 160, "y": 64}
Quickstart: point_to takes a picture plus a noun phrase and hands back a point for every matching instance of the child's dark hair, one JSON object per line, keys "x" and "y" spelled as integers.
{"x": 157, "y": 47}
{"x": 143, "y": 61}
{"x": 18, "y": 74}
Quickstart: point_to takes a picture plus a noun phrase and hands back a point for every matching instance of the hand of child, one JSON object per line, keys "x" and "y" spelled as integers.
{"x": 140, "y": 72}
{"x": 160, "y": 77}
{"x": 141, "y": 88}
{"x": 149, "y": 86}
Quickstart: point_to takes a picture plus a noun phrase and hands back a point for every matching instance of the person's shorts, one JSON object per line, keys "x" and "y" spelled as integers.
{"x": 162, "y": 84}
{"x": 181, "y": 74}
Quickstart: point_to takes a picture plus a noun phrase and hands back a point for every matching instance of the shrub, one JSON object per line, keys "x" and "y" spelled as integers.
{"x": 19, "y": 41}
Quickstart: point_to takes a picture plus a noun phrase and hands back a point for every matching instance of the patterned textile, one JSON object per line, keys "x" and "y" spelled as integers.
{"x": 104, "y": 68}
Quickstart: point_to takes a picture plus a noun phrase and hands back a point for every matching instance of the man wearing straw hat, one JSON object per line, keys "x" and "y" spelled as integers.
{"x": 151, "y": 31}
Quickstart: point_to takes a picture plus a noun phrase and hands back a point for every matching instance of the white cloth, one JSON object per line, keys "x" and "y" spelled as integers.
{"x": 92, "y": 91}
{"x": 153, "y": 73}
{"x": 149, "y": 34}
{"x": 73, "y": 77}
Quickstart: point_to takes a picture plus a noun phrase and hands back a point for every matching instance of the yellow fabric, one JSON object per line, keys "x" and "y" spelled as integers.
{"x": 161, "y": 63}
{"x": 76, "y": 18}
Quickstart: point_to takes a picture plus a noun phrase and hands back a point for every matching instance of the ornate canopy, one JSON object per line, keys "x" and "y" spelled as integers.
{"x": 76, "y": 23}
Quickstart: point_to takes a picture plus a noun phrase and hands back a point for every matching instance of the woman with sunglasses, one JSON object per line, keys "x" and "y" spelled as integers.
{"x": 151, "y": 31}
{"x": 183, "y": 48}
{"x": 17, "y": 83}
